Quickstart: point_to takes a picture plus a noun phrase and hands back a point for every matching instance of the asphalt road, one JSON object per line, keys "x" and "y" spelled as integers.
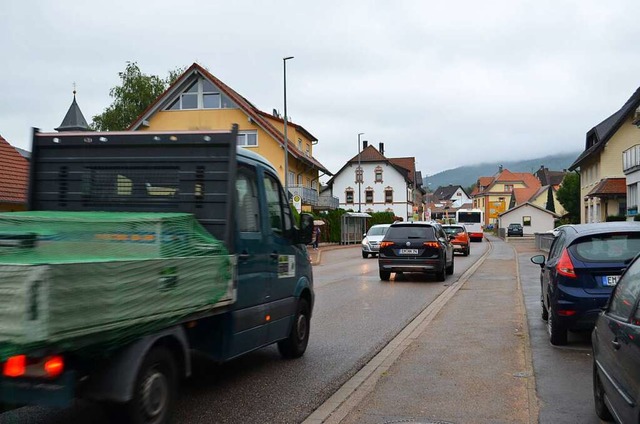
{"x": 356, "y": 314}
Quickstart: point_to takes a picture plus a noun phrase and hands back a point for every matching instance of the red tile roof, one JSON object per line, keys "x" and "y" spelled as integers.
{"x": 523, "y": 195}
{"x": 609, "y": 187}
{"x": 14, "y": 174}
{"x": 408, "y": 163}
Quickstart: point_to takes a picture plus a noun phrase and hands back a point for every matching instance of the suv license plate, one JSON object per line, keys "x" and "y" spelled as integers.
{"x": 610, "y": 280}
{"x": 408, "y": 251}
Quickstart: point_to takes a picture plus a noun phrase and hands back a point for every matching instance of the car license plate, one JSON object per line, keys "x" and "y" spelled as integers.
{"x": 610, "y": 280}
{"x": 408, "y": 251}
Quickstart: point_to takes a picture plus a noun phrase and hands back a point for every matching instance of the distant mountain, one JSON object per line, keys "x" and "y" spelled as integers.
{"x": 468, "y": 175}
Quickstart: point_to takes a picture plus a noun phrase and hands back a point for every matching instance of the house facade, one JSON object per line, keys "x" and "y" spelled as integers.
{"x": 370, "y": 182}
{"x": 603, "y": 180}
{"x": 534, "y": 219}
{"x": 493, "y": 195}
{"x": 14, "y": 175}
{"x": 197, "y": 100}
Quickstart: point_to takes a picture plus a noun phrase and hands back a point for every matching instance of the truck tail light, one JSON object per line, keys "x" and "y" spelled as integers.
{"x": 15, "y": 366}
{"x": 53, "y": 366}
{"x": 565, "y": 266}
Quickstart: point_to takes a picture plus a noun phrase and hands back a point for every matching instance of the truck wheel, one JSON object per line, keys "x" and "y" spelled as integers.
{"x": 155, "y": 389}
{"x": 295, "y": 345}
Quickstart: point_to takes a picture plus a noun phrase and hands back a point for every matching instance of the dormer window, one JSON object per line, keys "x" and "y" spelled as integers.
{"x": 201, "y": 94}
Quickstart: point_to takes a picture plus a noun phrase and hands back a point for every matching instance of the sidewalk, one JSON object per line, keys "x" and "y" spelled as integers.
{"x": 315, "y": 255}
{"x": 469, "y": 363}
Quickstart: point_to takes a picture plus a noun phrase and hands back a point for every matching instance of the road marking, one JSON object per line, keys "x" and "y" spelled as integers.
{"x": 342, "y": 402}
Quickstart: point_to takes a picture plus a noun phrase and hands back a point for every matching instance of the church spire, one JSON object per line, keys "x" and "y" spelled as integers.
{"x": 73, "y": 120}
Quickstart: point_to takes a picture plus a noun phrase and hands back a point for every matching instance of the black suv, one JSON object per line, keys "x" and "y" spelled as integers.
{"x": 415, "y": 247}
{"x": 514, "y": 230}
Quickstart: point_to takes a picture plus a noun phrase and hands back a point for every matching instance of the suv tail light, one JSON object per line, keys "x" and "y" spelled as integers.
{"x": 384, "y": 244}
{"x": 565, "y": 266}
{"x": 433, "y": 244}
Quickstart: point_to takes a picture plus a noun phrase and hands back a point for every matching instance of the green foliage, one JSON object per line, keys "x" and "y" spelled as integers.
{"x": 551, "y": 205}
{"x": 295, "y": 215}
{"x": 613, "y": 218}
{"x": 569, "y": 196}
{"x": 636, "y": 218}
{"x": 380, "y": 218}
{"x": 333, "y": 219}
{"x": 132, "y": 97}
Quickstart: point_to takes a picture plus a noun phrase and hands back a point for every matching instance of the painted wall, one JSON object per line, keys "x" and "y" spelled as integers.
{"x": 606, "y": 164}
{"x": 541, "y": 221}
{"x": 391, "y": 178}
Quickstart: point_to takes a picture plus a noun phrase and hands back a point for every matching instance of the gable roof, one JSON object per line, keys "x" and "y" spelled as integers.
{"x": 254, "y": 114}
{"x": 531, "y": 205}
{"x": 547, "y": 177}
{"x": 446, "y": 192}
{"x": 14, "y": 171}
{"x": 524, "y": 194}
{"x": 598, "y": 136}
{"x": 74, "y": 119}
{"x": 371, "y": 154}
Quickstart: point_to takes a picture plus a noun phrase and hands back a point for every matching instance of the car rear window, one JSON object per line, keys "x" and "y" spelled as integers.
{"x": 453, "y": 230}
{"x": 377, "y": 231}
{"x": 607, "y": 247}
{"x": 411, "y": 232}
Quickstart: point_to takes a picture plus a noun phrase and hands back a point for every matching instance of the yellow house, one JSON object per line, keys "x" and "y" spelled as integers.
{"x": 603, "y": 188}
{"x": 197, "y": 100}
{"x": 493, "y": 194}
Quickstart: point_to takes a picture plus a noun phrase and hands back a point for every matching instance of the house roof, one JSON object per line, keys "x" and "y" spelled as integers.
{"x": 547, "y": 177}
{"x": 259, "y": 117}
{"x": 14, "y": 170}
{"x": 527, "y": 204}
{"x": 74, "y": 119}
{"x": 371, "y": 154}
{"x": 523, "y": 195}
{"x": 609, "y": 187}
{"x": 598, "y": 136}
{"x": 446, "y": 192}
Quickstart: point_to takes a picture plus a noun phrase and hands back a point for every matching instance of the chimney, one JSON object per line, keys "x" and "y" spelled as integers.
{"x": 381, "y": 149}
{"x": 365, "y": 143}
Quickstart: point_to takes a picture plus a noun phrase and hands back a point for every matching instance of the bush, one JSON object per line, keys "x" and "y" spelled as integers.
{"x": 613, "y": 218}
{"x": 636, "y": 218}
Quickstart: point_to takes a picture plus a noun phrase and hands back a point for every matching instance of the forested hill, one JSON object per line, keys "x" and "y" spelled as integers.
{"x": 468, "y": 175}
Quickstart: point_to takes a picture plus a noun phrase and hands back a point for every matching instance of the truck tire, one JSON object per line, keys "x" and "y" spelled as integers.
{"x": 155, "y": 389}
{"x": 295, "y": 345}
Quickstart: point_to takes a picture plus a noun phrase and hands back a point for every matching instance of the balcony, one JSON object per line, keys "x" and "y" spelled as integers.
{"x": 631, "y": 159}
{"x": 308, "y": 195}
{"x": 327, "y": 202}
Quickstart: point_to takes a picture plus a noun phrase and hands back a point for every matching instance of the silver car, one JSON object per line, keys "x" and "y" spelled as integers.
{"x": 371, "y": 240}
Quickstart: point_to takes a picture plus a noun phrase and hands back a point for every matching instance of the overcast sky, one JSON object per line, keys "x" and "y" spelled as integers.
{"x": 451, "y": 83}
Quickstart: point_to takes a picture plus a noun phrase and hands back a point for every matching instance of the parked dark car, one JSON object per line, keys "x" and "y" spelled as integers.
{"x": 515, "y": 230}
{"x": 616, "y": 352}
{"x": 415, "y": 247}
{"x": 584, "y": 264}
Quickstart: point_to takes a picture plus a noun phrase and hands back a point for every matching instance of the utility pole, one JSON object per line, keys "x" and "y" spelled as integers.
{"x": 359, "y": 176}
{"x": 286, "y": 139}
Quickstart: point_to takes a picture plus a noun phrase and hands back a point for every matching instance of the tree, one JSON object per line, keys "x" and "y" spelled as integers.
{"x": 551, "y": 205}
{"x": 135, "y": 93}
{"x": 569, "y": 196}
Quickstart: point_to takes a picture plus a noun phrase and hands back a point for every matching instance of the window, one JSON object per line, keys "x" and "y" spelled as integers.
{"x": 292, "y": 178}
{"x": 201, "y": 94}
{"x": 378, "y": 174}
{"x": 300, "y": 182}
{"x": 359, "y": 178}
{"x": 248, "y": 213}
{"x": 368, "y": 196}
{"x": 526, "y": 221}
{"x": 349, "y": 197}
{"x": 508, "y": 187}
{"x": 299, "y": 144}
{"x": 388, "y": 195}
{"x": 625, "y": 294}
{"x": 248, "y": 138}
{"x": 308, "y": 150}
{"x": 279, "y": 211}
{"x": 314, "y": 184}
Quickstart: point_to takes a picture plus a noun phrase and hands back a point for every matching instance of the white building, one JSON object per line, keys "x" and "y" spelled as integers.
{"x": 454, "y": 194}
{"x": 370, "y": 182}
{"x": 534, "y": 219}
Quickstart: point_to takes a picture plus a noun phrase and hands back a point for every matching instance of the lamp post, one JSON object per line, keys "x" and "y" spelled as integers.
{"x": 286, "y": 139}
{"x": 359, "y": 175}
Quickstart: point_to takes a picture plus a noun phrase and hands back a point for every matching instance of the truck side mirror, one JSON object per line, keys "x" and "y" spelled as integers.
{"x": 305, "y": 233}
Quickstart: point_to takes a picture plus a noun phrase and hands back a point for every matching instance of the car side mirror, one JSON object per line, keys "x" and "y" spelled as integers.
{"x": 538, "y": 260}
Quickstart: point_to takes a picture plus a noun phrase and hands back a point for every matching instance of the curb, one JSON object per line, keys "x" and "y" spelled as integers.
{"x": 318, "y": 253}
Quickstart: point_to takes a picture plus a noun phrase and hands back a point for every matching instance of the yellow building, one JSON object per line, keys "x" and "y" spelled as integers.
{"x": 197, "y": 100}
{"x": 603, "y": 188}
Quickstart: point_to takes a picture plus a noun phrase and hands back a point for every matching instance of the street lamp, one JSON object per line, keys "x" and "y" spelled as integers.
{"x": 359, "y": 175}
{"x": 286, "y": 139}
